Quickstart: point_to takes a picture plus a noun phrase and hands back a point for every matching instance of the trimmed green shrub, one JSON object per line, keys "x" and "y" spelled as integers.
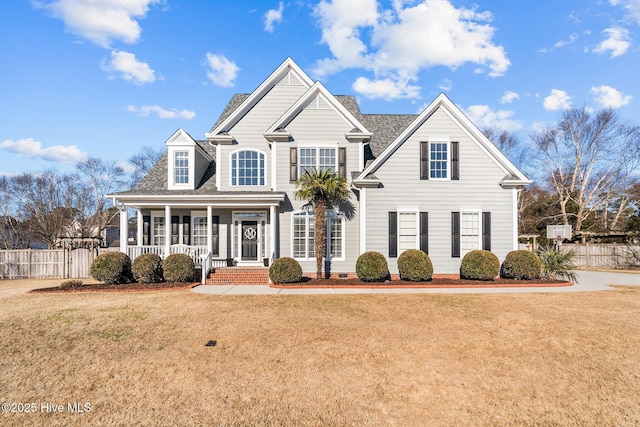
{"x": 71, "y": 284}
{"x": 285, "y": 270}
{"x": 112, "y": 268}
{"x": 415, "y": 266}
{"x": 147, "y": 268}
{"x": 179, "y": 268}
{"x": 480, "y": 265}
{"x": 521, "y": 265}
{"x": 372, "y": 267}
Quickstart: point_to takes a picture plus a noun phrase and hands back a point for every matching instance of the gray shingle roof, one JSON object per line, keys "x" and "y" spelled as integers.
{"x": 385, "y": 128}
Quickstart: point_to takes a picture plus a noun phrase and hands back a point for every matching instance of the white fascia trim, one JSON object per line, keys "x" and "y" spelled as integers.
{"x": 260, "y": 92}
{"x": 315, "y": 90}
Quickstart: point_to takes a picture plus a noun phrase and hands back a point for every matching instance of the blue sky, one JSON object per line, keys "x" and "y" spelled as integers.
{"x": 104, "y": 78}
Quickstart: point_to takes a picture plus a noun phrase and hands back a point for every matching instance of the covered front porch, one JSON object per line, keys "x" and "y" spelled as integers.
{"x": 214, "y": 232}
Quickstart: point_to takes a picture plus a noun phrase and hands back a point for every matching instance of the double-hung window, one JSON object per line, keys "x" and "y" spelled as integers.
{"x": 470, "y": 231}
{"x": 199, "y": 231}
{"x": 438, "y": 160}
{"x": 159, "y": 228}
{"x": 247, "y": 168}
{"x": 407, "y": 231}
{"x": 181, "y": 167}
{"x": 317, "y": 157}
{"x": 303, "y": 236}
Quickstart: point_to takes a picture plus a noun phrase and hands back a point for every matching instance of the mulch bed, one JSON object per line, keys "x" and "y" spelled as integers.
{"x": 129, "y": 287}
{"x": 434, "y": 283}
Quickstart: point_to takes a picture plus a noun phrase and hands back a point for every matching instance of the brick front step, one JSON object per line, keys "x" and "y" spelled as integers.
{"x": 238, "y": 276}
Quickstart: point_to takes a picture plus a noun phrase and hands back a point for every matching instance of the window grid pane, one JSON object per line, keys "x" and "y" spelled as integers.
{"x": 247, "y": 168}
{"x": 181, "y": 167}
{"x": 407, "y": 233}
{"x": 469, "y": 231}
{"x": 307, "y": 159}
{"x": 303, "y": 239}
{"x": 336, "y": 237}
{"x": 158, "y": 231}
{"x": 200, "y": 231}
{"x": 327, "y": 159}
{"x": 438, "y": 160}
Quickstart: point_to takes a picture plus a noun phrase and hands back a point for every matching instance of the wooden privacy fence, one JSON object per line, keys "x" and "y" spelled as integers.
{"x": 47, "y": 263}
{"x": 608, "y": 255}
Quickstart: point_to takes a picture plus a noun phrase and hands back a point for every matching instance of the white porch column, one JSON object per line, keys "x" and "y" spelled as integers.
{"x": 273, "y": 216}
{"x": 167, "y": 230}
{"x": 209, "y": 230}
{"x": 140, "y": 229}
{"x": 124, "y": 229}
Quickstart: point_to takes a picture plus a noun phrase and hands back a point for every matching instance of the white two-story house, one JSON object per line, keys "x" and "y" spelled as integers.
{"x": 431, "y": 181}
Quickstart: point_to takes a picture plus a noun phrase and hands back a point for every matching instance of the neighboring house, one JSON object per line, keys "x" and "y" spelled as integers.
{"x": 431, "y": 181}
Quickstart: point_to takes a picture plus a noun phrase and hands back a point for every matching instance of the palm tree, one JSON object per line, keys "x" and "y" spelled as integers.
{"x": 323, "y": 189}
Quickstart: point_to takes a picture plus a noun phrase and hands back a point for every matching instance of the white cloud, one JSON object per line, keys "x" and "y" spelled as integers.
{"x": 445, "y": 85}
{"x": 509, "y": 97}
{"x": 146, "y": 110}
{"x": 610, "y": 97}
{"x": 129, "y": 67}
{"x": 100, "y": 21}
{"x": 126, "y": 167}
{"x": 632, "y": 7}
{"x": 222, "y": 72}
{"x": 484, "y": 117}
{"x": 385, "y": 88}
{"x": 397, "y": 43}
{"x": 272, "y": 16}
{"x": 57, "y": 153}
{"x": 618, "y": 42}
{"x": 557, "y": 100}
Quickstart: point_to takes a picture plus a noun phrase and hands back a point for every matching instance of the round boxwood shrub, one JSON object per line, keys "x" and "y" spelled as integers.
{"x": 179, "y": 268}
{"x": 372, "y": 267}
{"x": 112, "y": 268}
{"x": 285, "y": 270}
{"x": 480, "y": 265}
{"x": 521, "y": 265}
{"x": 147, "y": 268}
{"x": 415, "y": 266}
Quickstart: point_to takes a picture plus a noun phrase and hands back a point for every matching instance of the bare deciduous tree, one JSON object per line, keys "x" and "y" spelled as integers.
{"x": 143, "y": 162}
{"x": 589, "y": 157}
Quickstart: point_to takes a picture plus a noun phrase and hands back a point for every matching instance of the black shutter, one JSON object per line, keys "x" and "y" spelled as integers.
{"x": 455, "y": 160}
{"x": 215, "y": 235}
{"x": 486, "y": 231}
{"x": 146, "y": 230}
{"x": 393, "y": 234}
{"x": 424, "y": 160}
{"x": 455, "y": 234}
{"x": 342, "y": 162}
{"x": 424, "y": 232}
{"x": 186, "y": 230}
{"x": 293, "y": 164}
{"x": 175, "y": 226}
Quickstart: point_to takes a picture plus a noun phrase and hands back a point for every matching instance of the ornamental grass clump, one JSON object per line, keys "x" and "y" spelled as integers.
{"x": 179, "y": 268}
{"x": 372, "y": 267}
{"x": 521, "y": 265}
{"x": 112, "y": 268}
{"x": 71, "y": 284}
{"x": 147, "y": 268}
{"x": 415, "y": 266}
{"x": 285, "y": 270}
{"x": 480, "y": 265}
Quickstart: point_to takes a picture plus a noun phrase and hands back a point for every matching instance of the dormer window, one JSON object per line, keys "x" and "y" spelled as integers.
{"x": 181, "y": 167}
{"x": 247, "y": 168}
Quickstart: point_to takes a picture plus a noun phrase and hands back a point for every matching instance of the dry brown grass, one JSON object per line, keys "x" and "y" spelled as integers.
{"x": 410, "y": 359}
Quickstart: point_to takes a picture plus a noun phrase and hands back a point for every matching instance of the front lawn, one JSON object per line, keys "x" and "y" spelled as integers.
{"x": 391, "y": 359}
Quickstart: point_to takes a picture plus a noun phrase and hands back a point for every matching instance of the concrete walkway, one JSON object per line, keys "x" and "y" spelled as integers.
{"x": 587, "y": 281}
